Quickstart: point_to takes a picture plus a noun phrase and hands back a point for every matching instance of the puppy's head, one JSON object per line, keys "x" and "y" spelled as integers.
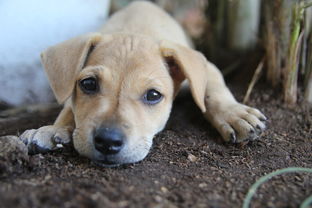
{"x": 121, "y": 88}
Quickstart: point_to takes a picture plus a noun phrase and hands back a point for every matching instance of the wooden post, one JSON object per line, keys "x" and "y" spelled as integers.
{"x": 292, "y": 61}
{"x": 232, "y": 30}
{"x": 288, "y": 45}
{"x": 277, "y": 21}
{"x": 308, "y": 49}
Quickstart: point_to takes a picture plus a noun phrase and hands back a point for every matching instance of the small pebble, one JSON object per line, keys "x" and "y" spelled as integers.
{"x": 192, "y": 158}
{"x": 164, "y": 189}
{"x": 158, "y": 199}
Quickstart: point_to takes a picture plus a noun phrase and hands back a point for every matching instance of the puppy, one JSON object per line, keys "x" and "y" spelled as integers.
{"x": 118, "y": 85}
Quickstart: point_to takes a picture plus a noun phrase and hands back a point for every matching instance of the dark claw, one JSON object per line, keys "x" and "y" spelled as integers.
{"x": 252, "y": 131}
{"x": 254, "y": 138}
{"x": 253, "y": 134}
{"x": 233, "y": 138}
{"x": 25, "y": 141}
{"x": 258, "y": 129}
{"x": 263, "y": 119}
{"x": 58, "y": 140}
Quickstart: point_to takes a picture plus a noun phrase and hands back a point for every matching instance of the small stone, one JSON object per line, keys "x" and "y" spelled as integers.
{"x": 164, "y": 189}
{"x": 202, "y": 185}
{"x": 158, "y": 199}
{"x": 192, "y": 158}
{"x": 123, "y": 204}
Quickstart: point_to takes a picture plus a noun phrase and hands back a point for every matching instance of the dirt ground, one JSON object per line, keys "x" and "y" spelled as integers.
{"x": 188, "y": 166}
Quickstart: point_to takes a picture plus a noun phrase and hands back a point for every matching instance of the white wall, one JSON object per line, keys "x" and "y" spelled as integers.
{"x": 27, "y": 27}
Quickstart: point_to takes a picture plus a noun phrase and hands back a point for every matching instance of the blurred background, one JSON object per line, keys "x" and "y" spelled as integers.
{"x": 29, "y": 27}
{"x": 272, "y": 39}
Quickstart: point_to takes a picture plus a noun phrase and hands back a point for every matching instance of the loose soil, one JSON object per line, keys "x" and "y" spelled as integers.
{"x": 188, "y": 166}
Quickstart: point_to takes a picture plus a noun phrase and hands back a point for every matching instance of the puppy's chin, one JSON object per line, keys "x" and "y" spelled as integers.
{"x": 127, "y": 156}
{"x": 111, "y": 164}
{"x": 106, "y": 164}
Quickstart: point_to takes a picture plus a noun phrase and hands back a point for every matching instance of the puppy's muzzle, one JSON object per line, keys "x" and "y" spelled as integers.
{"x": 109, "y": 140}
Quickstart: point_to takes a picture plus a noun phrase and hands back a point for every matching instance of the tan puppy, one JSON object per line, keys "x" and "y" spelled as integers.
{"x": 118, "y": 86}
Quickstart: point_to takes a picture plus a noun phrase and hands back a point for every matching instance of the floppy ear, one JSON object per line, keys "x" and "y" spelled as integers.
{"x": 192, "y": 64}
{"x": 65, "y": 60}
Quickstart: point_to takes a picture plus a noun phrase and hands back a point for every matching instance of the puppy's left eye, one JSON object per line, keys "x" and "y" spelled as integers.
{"x": 152, "y": 97}
{"x": 89, "y": 85}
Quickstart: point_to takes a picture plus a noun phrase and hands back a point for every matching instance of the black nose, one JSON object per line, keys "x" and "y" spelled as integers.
{"x": 109, "y": 140}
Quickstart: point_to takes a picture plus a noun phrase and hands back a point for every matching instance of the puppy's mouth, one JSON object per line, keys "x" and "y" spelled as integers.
{"x": 112, "y": 160}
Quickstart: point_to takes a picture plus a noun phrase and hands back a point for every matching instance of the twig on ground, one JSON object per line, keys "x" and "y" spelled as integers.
{"x": 254, "y": 79}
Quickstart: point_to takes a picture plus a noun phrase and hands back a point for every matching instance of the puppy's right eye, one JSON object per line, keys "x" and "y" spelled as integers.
{"x": 89, "y": 85}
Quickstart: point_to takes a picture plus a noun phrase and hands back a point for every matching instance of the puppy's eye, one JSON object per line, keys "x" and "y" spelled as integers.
{"x": 89, "y": 85}
{"x": 152, "y": 97}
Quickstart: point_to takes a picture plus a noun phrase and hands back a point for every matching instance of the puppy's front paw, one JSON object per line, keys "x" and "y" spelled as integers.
{"x": 237, "y": 122}
{"x": 45, "y": 138}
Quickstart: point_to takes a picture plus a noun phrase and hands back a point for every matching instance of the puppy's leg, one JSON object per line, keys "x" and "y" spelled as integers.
{"x": 46, "y": 138}
{"x": 234, "y": 121}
